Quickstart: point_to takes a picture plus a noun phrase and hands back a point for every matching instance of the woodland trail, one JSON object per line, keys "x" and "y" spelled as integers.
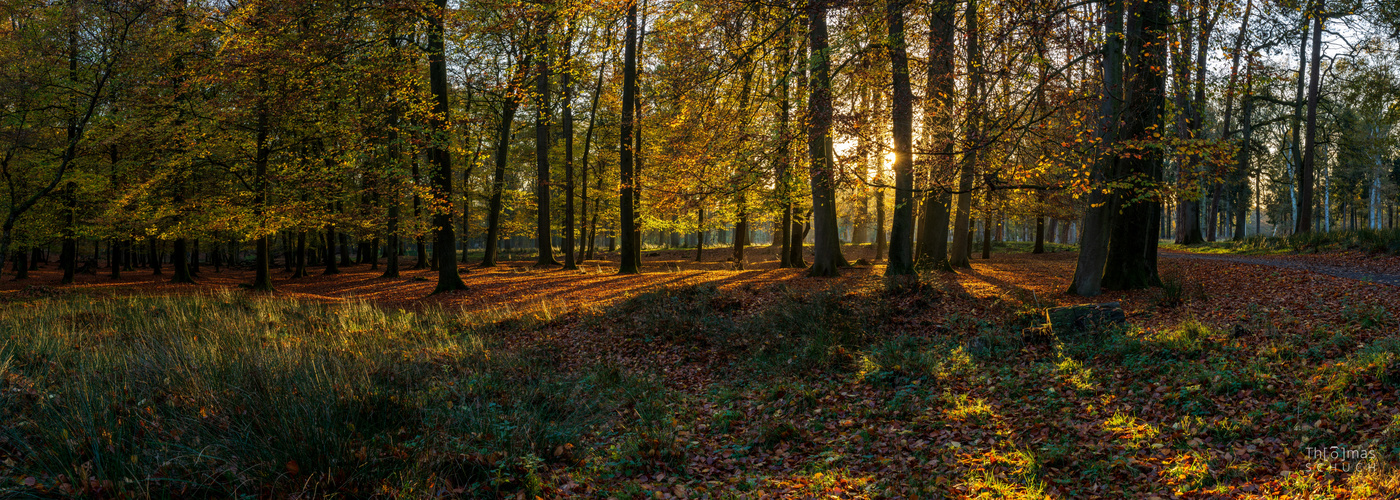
{"x": 1310, "y": 265}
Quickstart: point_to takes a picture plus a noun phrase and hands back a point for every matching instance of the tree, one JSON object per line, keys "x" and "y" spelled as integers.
{"x": 901, "y": 259}
{"x": 960, "y": 256}
{"x": 631, "y": 254}
{"x": 938, "y": 108}
{"x": 449, "y": 278}
{"x": 1305, "y": 170}
{"x": 1132, "y": 252}
{"x": 1098, "y": 216}
{"x": 827, "y": 256}
{"x": 543, "y": 239}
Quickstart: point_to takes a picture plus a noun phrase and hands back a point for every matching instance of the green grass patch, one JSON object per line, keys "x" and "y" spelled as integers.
{"x": 227, "y": 395}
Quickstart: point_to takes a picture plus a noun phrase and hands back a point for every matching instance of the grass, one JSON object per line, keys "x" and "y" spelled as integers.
{"x": 729, "y": 393}
{"x": 1376, "y": 241}
{"x": 226, "y": 395}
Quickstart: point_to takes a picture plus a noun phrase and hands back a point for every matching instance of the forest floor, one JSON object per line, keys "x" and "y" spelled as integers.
{"x": 1239, "y": 379}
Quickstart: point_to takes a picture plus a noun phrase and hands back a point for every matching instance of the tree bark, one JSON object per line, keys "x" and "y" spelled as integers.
{"x": 544, "y": 243}
{"x": 962, "y": 237}
{"x": 262, "y": 260}
{"x": 502, "y": 157}
{"x": 1188, "y": 224}
{"x": 449, "y": 278}
{"x": 901, "y": 261}
{"x": 566, "y": 81}
{"x": 827, "y": 247}
{"x": 631, "y": 253}
{"x": 1305, "y": 172}
{"x": 68, "y": 256}
{"x": 1098, "y": 217}
{"x": 939, "y": 104}
{"x": 331, "y": 266}
{"x": 1132, "y": 252}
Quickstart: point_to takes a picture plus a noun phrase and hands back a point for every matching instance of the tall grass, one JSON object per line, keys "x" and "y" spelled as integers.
{"x": 229, "y": 395}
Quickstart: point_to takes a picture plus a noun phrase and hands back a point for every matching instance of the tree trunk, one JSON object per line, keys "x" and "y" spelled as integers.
{"x": 1098, "y": 217}
{"x": 502, "y": 157}
{"x": 1039, "y": 234}
{"x": 68, "y": 258}
{"x": 827, "y": 247}
{"x": 391, "y": 264}
{"x": 901, "y": 259}
{"x": 783, "y": 170}
{"x": 939, "y": 104}
{"x": 420, "y": 249}
{"x": 1241, "y": 181}
{"x": 449, "y": 278}
{"x": 1132, "y": 252}
{"x": 179, "y": 259}
{"x": 636, "y": 232}
{"x": 543, "y": 242}
{"x": 331, "y": 266}
{"x": 1188, "y": 208}
{"x": 568, "y": 130}
{"x": 962, "y": 237}
{"x": 300, "y": 255}
{"x": 262, "y": 265}
{"x": 584, "y": 244}
{"x": 1305, "y": 172}
{"x": 631, "y": 253}
{"x": 700, "y": 237}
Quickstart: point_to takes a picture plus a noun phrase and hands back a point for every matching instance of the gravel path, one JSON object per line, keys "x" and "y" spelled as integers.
{"x": 1338, "y": 271}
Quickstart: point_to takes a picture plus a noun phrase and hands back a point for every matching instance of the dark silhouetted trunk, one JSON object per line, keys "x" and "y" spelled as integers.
{"x": 179, "y": 259}
{"x": 262, "y": 265}
{"x": 544, "y": 244}
{"x": 700, "y": 237}
{"x": 68, "y": 256}
{"x": 1305, "y": 171}
{"x": 901, "y": 259}
{"x": 783, "y": 170}
{"x": 567, "y": 125}
{"x": 1098, "y": 215}
{"x": 630, "y": 250}
{"x": 502, "y": 157}
{"x": 961, "y": 254}
{"x": 938, "y": 104}
{"x": 1132, "y": 252}
{"x": 449, "y": 278}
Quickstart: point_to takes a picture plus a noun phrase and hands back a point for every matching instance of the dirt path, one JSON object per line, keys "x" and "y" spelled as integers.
{"x": 1330, "y": 270}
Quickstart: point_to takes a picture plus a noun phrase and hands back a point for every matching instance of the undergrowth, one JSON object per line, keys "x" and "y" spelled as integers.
{"x": 226, "y": 395}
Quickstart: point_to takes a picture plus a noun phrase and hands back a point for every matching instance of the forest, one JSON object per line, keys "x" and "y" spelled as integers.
{"x": 700, "y": 248}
